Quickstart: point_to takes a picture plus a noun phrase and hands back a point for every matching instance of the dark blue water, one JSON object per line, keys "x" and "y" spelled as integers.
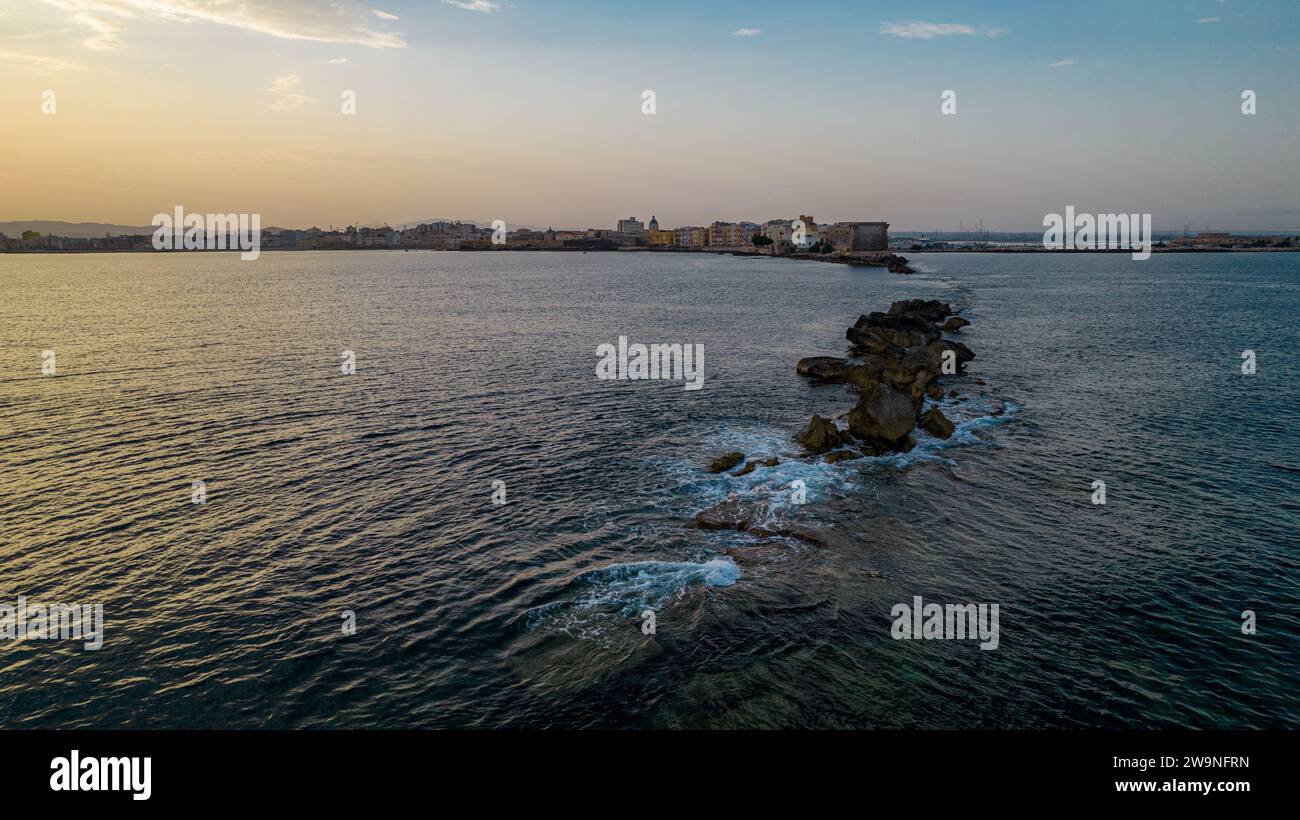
{"x": 373, "y": 493}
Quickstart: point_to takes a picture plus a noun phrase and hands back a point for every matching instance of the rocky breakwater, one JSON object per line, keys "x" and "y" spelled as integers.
{"x": 890, "y": 261}
{"x": 904, "y": 355}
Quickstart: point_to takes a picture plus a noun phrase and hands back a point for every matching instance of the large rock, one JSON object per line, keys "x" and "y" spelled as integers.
{"x": 930, "y": 309}
{"x": 962, "y": 353}
{"x": 936, "y": 423}
{"x": 826, "y": 368}
{"x": 954, "y": 324}
{"x": 897, "y": 368}
{"x": 866, "y": 377}
{"x": 725, "y": 462}
{"x": 822, "y": 435}
{"x": 901, "y": 329}
{"x": 884, "y": 415}
{"x": 869, "y": 340}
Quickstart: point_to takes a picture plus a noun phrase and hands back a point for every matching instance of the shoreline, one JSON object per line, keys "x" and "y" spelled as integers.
{"x": 866, "y": 258}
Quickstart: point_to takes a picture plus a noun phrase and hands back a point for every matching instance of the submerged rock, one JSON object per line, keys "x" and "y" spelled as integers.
{"x": 733, "y": 513}
{"x": 753, "y": 516}
{"x": 725, "y": 462}
{"x": 837, "y": 456}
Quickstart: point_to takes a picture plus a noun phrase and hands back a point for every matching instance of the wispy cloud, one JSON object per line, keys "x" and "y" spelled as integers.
{"x": 37, "y": 63}
{"x": 1208, "y": 20}
{"x": 287, "y": 93}
{"x": 487, "y": 6}
{"x": 918, "y": 30}
{"x": 337, "y": 61}
{"x": 383, "y": 15}
{"x": 314, "y": 20}
{"x": 747, "y": 32}
{"x": 1059, "y": 63}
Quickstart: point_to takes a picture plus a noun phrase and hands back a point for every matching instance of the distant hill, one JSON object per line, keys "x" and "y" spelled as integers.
{"x": 95, "y": 229}
{"x": 77, "y": 229}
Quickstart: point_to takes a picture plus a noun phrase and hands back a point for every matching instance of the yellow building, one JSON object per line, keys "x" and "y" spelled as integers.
{"x": 658, "y": 238}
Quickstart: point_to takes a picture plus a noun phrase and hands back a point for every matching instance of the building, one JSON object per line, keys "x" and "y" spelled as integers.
{"x": 785, "y": 233}
{"x": 853, "y": 237}
{"x": 654, "y": 223}
{"x": 631, "y": 226}
{"x": 656, "y": 238}
{"x": 733, "y": 234}
{"x": 690, "y": 237}
{"x": 810, "y": 233}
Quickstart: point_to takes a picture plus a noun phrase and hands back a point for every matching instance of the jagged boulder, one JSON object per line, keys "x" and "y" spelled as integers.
{"x": 897, "y": 368}
{"x": 864, "y": 376}
{"x": 825, "y": 368}
{"x": 822, "y": 435}
{"x": 955, "y": 324}
{"x": 901, "y": 329}
{"x": 962, "y": 353}
{"x": 883, "y": 416}
{"x": 869, "y": 340}
{"x": 934, "y": 422}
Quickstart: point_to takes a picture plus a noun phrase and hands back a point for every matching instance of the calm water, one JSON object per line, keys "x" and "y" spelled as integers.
{"x": 373, "y": 493}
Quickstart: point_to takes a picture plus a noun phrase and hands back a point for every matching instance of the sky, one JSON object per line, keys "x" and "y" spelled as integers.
{"x": 532, "y": 111}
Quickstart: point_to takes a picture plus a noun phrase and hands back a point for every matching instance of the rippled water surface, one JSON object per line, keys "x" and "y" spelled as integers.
{"x": 373, "y": 493}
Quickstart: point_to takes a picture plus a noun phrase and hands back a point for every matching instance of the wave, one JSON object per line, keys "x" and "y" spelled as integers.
{"x": 632, "y": 588}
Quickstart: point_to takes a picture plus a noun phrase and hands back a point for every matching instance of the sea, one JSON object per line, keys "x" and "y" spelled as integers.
{"x": 388, "y": 489}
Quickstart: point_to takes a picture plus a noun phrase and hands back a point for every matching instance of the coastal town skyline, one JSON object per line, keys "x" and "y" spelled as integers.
{"x": 564, "y": 113}
{"x": 858, "y": 241}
